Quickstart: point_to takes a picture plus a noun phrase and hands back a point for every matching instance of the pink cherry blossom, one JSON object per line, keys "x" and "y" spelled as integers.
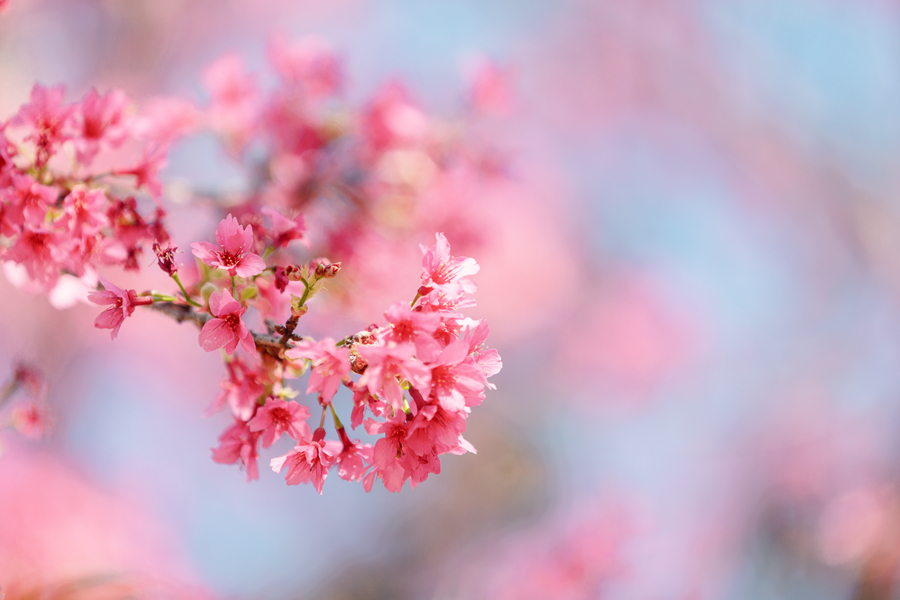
{"x": 227, "y": 329}
{"x": 355, "y": 460}
{"x": 153, "y": 158}
{"x": 28, "y": 201}
{"x": 122, "y": 304}
{"x": 309, "y": 461}
{"x": 233, "y": 252}
{"x": 285, "y": 230}
{"x": 436, "y": 429}
{"x": 441, "y": 268}
{"x": 48, "y": 120}
{"x": 238, "y": 443}
{"x": 100, "y": 119}
{"x": 456, "y": 378}
{"x": 308, "y": 63}
{"x": 235, "y": 100}
{"x": 408, "y": 326}
{"x": 242, "y": 389}
{"x": 395, "y": 462}
{"x": 330, "y": 365}
{"x": 83, "y": 211}
{"x": 386, "y": 363}
{"x": 41, "y": 252}
{"x": 277, "y": 417}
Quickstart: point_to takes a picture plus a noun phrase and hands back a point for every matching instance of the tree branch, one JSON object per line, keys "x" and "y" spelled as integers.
{"x": 182, "y": 312}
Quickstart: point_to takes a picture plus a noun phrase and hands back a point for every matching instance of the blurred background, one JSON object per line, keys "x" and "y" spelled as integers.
{"x": 691, "y": 270}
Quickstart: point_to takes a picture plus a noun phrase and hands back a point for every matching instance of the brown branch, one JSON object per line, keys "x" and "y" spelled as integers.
{"x": 182, "y": 312}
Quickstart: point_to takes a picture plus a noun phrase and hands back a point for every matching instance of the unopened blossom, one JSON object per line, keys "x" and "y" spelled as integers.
{"x": 29, "y": 419}
{"x": 330, "y": 365}
{"x": 234, "y": 250}
{"x": 278, "y": 417}
{"x": 122, "y": 304}
{"x": 238, "y": 443}
{"x": 29, "y": 378}
{"x": 227, "y": 329}
{"x": 309, "y": 461}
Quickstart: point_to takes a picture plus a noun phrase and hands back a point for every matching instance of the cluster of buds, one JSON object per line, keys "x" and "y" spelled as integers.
{"x": 26, "y": 415}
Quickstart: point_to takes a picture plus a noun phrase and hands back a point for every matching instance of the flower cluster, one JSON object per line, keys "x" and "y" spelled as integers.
{"x": 370, "y": 176}
{"x": 80, "y": 193}
{"x": 420, "y": 373}
{"x": 68, "y": 177}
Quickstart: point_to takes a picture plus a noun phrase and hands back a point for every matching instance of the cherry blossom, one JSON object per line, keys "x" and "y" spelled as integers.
{"x": 227, "y": 329}
{"x": 309, "y": 461}
{"x": 278, "y": 417}
{"x": 122, "y": 304}
{"x": 330, "y": 365}
{"x": 233, "y": 252}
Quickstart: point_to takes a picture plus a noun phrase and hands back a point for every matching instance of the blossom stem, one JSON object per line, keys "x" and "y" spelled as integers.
{"x": 187, "y": 296}
{"x": 9, "y": 389}
{"x": 162, "y": 297}
{"x": 182, "y": 313}
{"x": 337, "y": 422}
{"x": 413, "y": 303}
{"x": 233, "y": 288}
{"x": 322, "y": 420}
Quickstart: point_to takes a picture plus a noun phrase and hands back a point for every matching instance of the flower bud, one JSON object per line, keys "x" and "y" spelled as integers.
{"x": 165, "y": 257}
{"x": 297, "y": 309}
{"x": 323, "y": 268}
{"x": 248, "y": 293}
{"x": 207, "y": 290}
{"x": 357, "y": 363}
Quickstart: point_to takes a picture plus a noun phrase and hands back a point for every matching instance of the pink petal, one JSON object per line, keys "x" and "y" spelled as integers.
{"x": 206, "y": 252}
{"x": 250, "y": 265}
{"x": 215, "y": 334}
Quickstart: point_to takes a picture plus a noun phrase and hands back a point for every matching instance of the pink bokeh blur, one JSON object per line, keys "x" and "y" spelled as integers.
{"x": 688, "y": 238}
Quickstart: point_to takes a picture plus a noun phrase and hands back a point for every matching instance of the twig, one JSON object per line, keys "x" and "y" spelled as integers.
{"x": 182, "y": 313}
